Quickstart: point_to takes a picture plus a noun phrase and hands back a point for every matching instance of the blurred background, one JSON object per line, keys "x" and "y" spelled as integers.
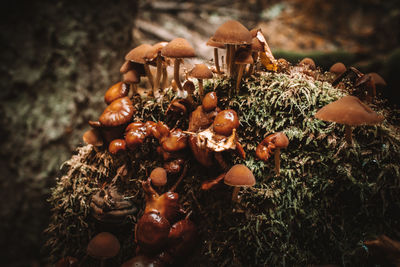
{"x": 57, "y": 58}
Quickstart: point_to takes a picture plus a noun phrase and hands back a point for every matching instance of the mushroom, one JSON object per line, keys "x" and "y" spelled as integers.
{"x": 93, "y": 137}
{"x": 103, "y": 246}
{"x": 268, "y": 144}
{"x": 116, "y": 91}
{"x": 309, "y": 62}
{"x": 119, "y": 112}
{"x": 256, "y": 47}
{"x": 283, "y": 65}
{"x": 232, "y": 33}
{"x": 116, "y": 146}
{"x": 216, "y": 45}
{"x": 225, "y": 122}
{"x": 178, "y": 48}
{"x": 239, "y": 176}
{"x": 210, "y": 101}
{"x": 137, "y": 55}
{"x": 242, "y": 58}
{"x": 132, "y": 77}
{"x": 135, "y": 134}
{"x": 158, "y": 177}
{"x": 377, "y": 79}
{"x": 200, "y": 72}
{"x": 338, "y": 68}
{"x": 154, "y": 54}
{"x": 350, "y": 111}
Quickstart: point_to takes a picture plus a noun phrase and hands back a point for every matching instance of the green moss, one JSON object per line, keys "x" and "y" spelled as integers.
{"x": 327, "y": 200}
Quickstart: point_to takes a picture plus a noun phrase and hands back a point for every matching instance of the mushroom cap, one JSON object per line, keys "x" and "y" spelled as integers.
{"x": 103, "y": 246}
{"x": 116, "y": 146}
{"x": 378, "y": 80}
{"x": 155, "y": 50}
{"x": 210, "y": 42}
{"x": 138, "y": 53}
{"x": 152, "y": 231}
{"x": 225, "y": 122}
{"x": 337, "y": 68}
{"x": 239, "y": 175}
{"x": 243, "y": 56}
{"x": 281, "y": 140}
{"x": 232, "y": 32}
{"x": 178, "y": 48}
{"x": 125, "y": 67}
{"x": 135, "y": 134}
{"x": 254, "y": 32}
{"x": 131, "y": 76}
{"x": 93, "y": 137}
{"x": 309, "y": 62}
{"x": 256, "y": 45}
{"x": 201, "y": 71}
{"x": 158, "y": 176}
{"x": 116, "y": 91}
{"x": 349, "y": 110}
{"x": 119, "y": 112}
{"x": 210, "y": 101}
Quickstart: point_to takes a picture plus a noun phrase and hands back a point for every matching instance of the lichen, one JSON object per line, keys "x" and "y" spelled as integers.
{"x": 328, "y": 198}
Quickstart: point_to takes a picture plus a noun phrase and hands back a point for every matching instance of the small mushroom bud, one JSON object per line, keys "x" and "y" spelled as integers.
{"x": 119, "y": 112}
{"x": 116, "y": 91}
{"x": 225, "y": 122}
{"x": 158, "y": 177}
{"x": 210, "y": 101}
{"x": 103, "y": 246}
{"x": 116, "y": 146}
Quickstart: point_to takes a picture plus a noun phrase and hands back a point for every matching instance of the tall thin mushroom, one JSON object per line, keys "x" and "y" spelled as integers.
{"x": 242, "y": 58}
{"x": 216, "y": 45}
{"x": 137, "y": 55}
{"x": 200, "y": 72}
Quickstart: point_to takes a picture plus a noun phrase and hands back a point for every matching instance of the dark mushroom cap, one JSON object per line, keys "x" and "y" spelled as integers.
{"x": 349, "y": 110}
{"x": 232, "y": 32}
{"x": 243, "y": 56}
{"x": 152, "y": 231}
{"x": 210, "y": 101}
{"x": 225, "y": 122}
{"x": 378, "y": 80}
{"x": 116, "y": 146}
{"x": 337, "y": 68}
{"x": 178, "y": 48}
{"x": 210, "y": 42}
{"x": 93, "y": 137}
{"x": 116, "y": 91}
{"x": 176, "y": 140}
{"x": 103, "y": 246}
{"x": 135, "y": 134}
{"x": 201, "y": 71}
{"x": 308, "y": 62}
{"x": 158, "y": 176}
{"x": 119, "y": 112}
{"x": 239, "y": 175}
{"x": 138, "y": 53}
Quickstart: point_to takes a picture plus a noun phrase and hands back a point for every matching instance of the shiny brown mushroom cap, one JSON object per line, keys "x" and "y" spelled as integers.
{"x": 201, "y": 71}
{"x": 243, "y": 56}
{"x": 116, "y": 91}
{"x": 103, "y": 246}
{"x": 349, "y": 110}
{"x": 178, "y": 48}
{"x": 308, "y": 62}
{"x": 378, "y": 80}
{"x": 225, "y": 122}
{"x": 210, "y": 42}
{"x": 232, "y": 32}
{"x": 93, "y": 137}
{"x": 239, "y": 175}
{"x": 119, "y": 112}
{"x": 210, "y": 101}
{"x": 138, "y": 53}
{"x": 158, "y": 176}
{"x": 337, "y": 68}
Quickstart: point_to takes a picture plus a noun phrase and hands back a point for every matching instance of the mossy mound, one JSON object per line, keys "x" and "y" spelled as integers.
{"x": 328, "y": 198}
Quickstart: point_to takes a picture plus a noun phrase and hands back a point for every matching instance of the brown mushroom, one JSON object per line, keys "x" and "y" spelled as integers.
{"x": 216, "y": 45}
{"x": 103, "y": 246}
{"x": 350, "y": 111}
{"x": 116, "y": 146}
{"x": 93, "y": 137}
{"x": 154, "y": 54}
{"x": 135, "y": 134}
{"x": 231, "y": 33}
{"x": 119, "y": 112}
{"x": 309, "y": 62}
{"x": 178, "y": 48}
{"x": 158, "y": 177}
{"x": 242, "y": 58}
{"x": 225, "y": 122}
{"x": 137, "y": 55}
{"x": 116, "y": 91}
{"x": 200, "y": 72}
{"x": 239, "y": 176}
{"x": 378, "y": 80}
{"x": 210, "y": 101}
{"x": 338, "y": 68}
{"x": 276, "y": 142}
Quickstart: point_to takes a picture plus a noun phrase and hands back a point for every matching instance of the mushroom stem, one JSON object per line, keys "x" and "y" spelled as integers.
{"x": 278, "y": 161}
{"x": 209, "y": 184}
{"x": 201, "y": 89}
{"x": 176, "y": 73}
{"x": 149, "y": 75}
{"x": 348, "y": 134}
{"x": 239, "y": 77}
{"x": 183, "y": 174}
{"x": 232, "y": 61}
{"x": 252, "y": 66}
{"x": 216, "y": 60}
{"x": 165, "y": 77}
{"x": 134, "y": 89}
{"x": 158, "y": 76}
{"x": 235, "y": 193}
{"x": 228, "y": 58}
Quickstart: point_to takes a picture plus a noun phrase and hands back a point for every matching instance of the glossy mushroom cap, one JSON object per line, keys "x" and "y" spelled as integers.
{"x": 93, "y": 137}
{"x": 176, "y": 140}
{"x": 119, "y": 112}
{"x": 158, "y": 176}
{"x": 210, "y": 42}
{"x": 116, "y": 146}
{"x": 135, "y": 134}
{"x": 225, "y": 122}
{"x": 337, "y": 68}
{"x": 232, "y": 32}
{"x": 349, "y": 110}
{"x": 116, "y": 91}
{"x": 138, "y": 53}
{"x": 152, "y": 232}
{"x": 243, "y": 56}
{"x": 103, "y": 246}
{"x": 201, "y": 71}
{"x": 178, "y": 48}
{"x": 308, "y": 62}
{"x": 210, "y": 101}
{"x": 239, "y": 175}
